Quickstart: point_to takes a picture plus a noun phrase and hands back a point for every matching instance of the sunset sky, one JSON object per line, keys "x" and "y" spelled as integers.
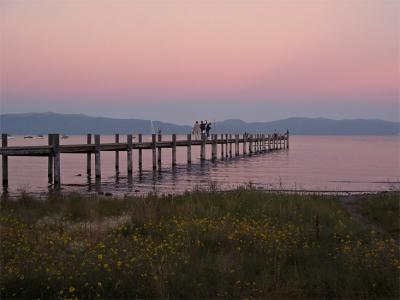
{"x": 183, "y": 60}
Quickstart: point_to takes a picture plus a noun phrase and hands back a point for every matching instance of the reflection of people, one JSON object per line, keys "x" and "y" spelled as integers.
{"x": 208, "y": 128}
{"x": 196, "y": 130}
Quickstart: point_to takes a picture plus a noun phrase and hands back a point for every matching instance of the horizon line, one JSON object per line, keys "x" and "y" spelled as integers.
{"x": 229, "y": 119}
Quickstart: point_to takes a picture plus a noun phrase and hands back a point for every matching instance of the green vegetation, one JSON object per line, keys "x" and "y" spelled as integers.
{"x": 236, "y": 244}
{"x": 383, "y": 209}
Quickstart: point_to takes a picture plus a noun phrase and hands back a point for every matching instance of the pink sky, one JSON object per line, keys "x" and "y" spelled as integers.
{"x": 68, "y": 55}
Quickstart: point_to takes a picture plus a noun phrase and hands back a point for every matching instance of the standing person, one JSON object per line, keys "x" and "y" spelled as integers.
{"x": 208, "y": 128}
{"x": 196, "y": 130}
{"x": 202, "y": 127}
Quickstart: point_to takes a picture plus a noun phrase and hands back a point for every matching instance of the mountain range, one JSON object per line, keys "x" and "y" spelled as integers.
{"x": 43, "y": 123}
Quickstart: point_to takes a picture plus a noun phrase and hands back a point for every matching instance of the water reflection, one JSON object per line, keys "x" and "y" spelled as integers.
{"x": 312, "y": 163}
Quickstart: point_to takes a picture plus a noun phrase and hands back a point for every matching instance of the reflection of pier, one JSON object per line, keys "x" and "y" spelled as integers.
{"x": 251, "y": 144}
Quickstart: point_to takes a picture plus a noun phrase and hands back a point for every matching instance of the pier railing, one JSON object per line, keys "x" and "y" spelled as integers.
{"x": 251, "y": 144}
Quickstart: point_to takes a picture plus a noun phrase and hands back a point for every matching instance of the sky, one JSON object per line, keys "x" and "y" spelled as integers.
{"x": 180, "y": 61}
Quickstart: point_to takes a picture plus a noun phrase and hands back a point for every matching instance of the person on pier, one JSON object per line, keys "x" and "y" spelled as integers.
{"x": 196, "y": 130}
{"x": 208, "y": 128}
{"x": 203, "y": 127}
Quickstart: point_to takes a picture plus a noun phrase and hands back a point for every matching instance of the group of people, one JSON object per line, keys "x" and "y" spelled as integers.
{"x": 201, "y": 128}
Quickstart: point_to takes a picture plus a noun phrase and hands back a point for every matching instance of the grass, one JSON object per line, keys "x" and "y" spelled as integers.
{"x": 235, "y": 244}
{"x": 383, "y": 209}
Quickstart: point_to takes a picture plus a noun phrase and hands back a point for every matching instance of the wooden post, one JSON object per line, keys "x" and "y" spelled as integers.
{"x": 50, "y": 163}
{"x": 261, "y": 143}
{"x": 272, "y": 141}
{"x": 97, "y": 161}
{"x": 203, "y": 147}
{"x": 214, "y": 146}
{"x": 4, "y": 143}
{"x": 230, "y": 146}
{"x": 189, "y": 149}
{"x": 154, "y": 153}
{"x": 250, "y": 144}
{"x": 56, "y": 147}
{"x": 174, "y": 150}
{"x": 244, "y": 143}
{"x": 236, "y": 145}
{"x": 140, "y": 152}
{"x": 88, "y": 156}
{"x": 269, "y": 142}
{"x": 117, "y": 155}
{"x": 159, "y": 150}
{"x": 129, "y": 153}
{"x": 264, "y": 148}
{"x": 287, "y": 139}
{"x": 222, "y": 147}
{"x": 226, "y": 146}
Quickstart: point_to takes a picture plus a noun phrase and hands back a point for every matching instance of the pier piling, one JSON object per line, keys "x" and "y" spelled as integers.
{"x": 129, "y": 153}
{"x": 230, "y": 146}
{"x": 159, "y": 138}
{"x": 4, "y": 143}
{"x": 214, "y": 138}
{"x": 222, "y": 147}
{"x": 140, "y": 154}
{"x": 287, "y": 139}
{"x": 88, "y": 156}
{"x": 174, "y": 150}
{"x": 244, "y": 143}
{"x": 203, "y": 147}
{"x": 97, "y": 161}
{"x": 154, "y": 153}
{"x": 117, "y": 155}
{"x": 57, "y": 166}
{"x": 226, "y": 146}
{"x": 50, "y": 165}
{"x": 189, "y": 149}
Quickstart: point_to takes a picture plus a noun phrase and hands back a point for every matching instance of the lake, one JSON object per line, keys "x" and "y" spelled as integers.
{"x": 313, "y": 163}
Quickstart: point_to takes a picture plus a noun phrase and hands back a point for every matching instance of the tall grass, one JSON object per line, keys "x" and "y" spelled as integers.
{"x": 235, "y": 244}
{"x": 383, "y": 209}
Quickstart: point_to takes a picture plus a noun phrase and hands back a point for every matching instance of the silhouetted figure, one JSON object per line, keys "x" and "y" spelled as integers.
{"x": 196, "y": 130}
{"x": 202, "y": 127}
{"x": 208, "y": 128}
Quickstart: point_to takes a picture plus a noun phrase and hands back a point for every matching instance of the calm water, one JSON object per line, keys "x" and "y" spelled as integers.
{"x": 317, "y": 163}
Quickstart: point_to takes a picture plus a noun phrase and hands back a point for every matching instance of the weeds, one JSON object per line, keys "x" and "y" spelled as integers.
{"x": 222, "y": 244}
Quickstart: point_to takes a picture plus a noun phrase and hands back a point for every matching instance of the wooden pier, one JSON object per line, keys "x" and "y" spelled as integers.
{"x": 251, "y": 144}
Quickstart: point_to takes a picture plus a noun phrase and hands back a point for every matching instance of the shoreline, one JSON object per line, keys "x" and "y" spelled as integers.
{"x": 138, "y": 194}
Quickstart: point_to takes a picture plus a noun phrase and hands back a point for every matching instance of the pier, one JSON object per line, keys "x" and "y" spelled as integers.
{"x": 229, "y": 144}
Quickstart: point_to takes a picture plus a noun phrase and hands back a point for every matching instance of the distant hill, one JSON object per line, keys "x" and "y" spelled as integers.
{"x": 42, "y": 123}
{"x": 314, "y": 126}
